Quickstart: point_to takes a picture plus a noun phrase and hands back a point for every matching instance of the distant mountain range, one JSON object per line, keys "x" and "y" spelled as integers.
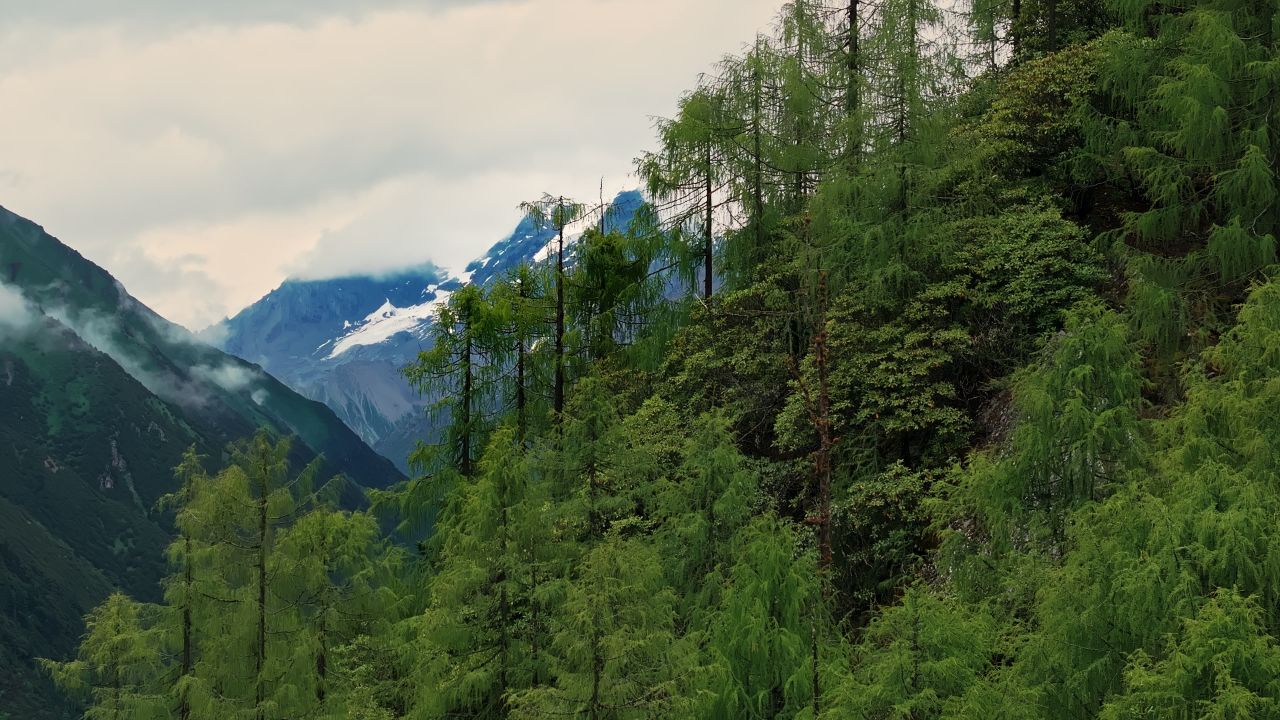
{"x": 344, "y": 341}
{"x": 99, "y": 397}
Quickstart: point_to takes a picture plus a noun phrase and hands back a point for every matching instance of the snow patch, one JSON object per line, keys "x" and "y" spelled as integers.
{"x": 388, "y": 321}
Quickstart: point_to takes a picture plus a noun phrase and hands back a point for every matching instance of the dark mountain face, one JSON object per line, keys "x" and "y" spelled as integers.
{"x": 99, "y": 397}
{"x": 344, "y": 341}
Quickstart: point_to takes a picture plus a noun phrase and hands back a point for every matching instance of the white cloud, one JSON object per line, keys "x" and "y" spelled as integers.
{"x": 202, "y": 160}
{"x": 15, "y": 314}
{"x": 230, "y": 377}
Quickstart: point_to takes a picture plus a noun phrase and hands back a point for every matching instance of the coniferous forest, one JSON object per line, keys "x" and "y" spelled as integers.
{"x": 939, "y": 379}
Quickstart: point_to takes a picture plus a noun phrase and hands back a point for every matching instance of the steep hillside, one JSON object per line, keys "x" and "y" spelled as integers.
{"x": 99, "y": 396}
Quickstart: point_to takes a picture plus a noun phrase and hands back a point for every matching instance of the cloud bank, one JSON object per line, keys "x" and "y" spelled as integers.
{"x": 202, "y": 152}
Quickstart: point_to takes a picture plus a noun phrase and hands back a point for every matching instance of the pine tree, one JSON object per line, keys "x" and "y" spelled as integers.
{"x": 687, "y": 179}
{"x": 702, "y": 507}
{"x": 180, "y": 592}
{"x": 519, "y": 306}
{"x": 242, "y": 657}
{"x": 1185, "y": 127}
{"x": 557, "y": 213}
{"x": 1079, "y": 431}
{"x": 919, "y": 660}
{"x": 119, "y": 665}
{"x": 479, "y": 625}
{"x": 460, "y": 368}
{"x": 1223, "y": 664}
{"x": 612, "y": 289}
{"x": 762, "y": 644}
{"x": 334, "y": 573}
{"x": 614, "y": 633}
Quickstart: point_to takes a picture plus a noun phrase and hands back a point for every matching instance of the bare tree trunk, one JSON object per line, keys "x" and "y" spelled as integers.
{"x": 558, "y": 393}
{"x": 467, "y": 390}
{"x": 853, "y": 94}
{"x": 1015, "y": 27}
{"x": 708, "y": 274}
{"x": 758, "y": 161}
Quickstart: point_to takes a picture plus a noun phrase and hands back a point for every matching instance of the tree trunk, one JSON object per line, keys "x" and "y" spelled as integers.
{"x": 260, "y": 649}
{"x": 504, "y": 604}
{"x": 558, "y": 392}
{"x": 535, "y": 620}
{"x": 521, "y": 400}
{"x": 1015, "y": 27}
{"x": 826, "y": 439}
{"x": 467, "y": 390}
{"x": 853, "y": 94}
{"x": 817, "y": 676}
{"x": 184, "y": 703}
{"x": 708, "y": 274}
{"x": 322, "y": 661}
{"x": 597, "y": 669}
{"x": 757, "y": 190}
{"x": 1051, "y": 25}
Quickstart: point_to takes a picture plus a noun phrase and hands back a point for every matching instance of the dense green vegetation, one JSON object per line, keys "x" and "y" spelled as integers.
{"x": 99, "y": 398}
{"x": 966, "y": 408}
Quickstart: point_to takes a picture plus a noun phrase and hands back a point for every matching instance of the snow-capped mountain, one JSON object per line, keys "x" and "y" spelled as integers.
{"x": 343, "y": 341}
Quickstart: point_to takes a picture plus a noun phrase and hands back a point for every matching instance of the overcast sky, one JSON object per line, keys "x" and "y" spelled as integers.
{"x": 204, "y": 151}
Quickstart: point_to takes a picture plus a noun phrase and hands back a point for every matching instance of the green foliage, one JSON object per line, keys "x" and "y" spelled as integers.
{"x": 1079, "y": 430}
{"x": 919, "y": 660}
{"x": 460, "y": 369}
{"x": 1183, "y": 127}
{"x": 119, "y": 664}
{"x": 1034, "y": 119}
{"x": 761, "y": 643}
{"x": 736, "y": 359}
{"x": 479, "y": 625}
{"x": 269, "y": 583}
{"x": 612, "y": 638}
{"x": 1222, "y": 664}
{"x": 969, "y": 430}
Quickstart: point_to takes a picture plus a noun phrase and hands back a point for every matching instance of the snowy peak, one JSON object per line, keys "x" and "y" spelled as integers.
{"x": 344, "y": 341}
{"x": 388, "y": 321}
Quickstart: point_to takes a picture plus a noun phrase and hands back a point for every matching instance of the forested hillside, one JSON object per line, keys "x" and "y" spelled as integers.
{"x": 99, "y": 398}
{"x": 968, "y": 408}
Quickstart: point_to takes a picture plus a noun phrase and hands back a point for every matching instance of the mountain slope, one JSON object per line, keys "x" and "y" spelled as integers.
{"x": 99, "y": 396}
{"x": 343, "y": 341}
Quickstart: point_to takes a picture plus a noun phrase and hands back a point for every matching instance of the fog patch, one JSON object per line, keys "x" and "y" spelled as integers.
{"x": 228, "y": 376}
{"x": 16, "y": 314}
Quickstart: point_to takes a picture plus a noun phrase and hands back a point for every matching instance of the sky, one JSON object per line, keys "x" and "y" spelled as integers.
{"x": 202, "y": 152}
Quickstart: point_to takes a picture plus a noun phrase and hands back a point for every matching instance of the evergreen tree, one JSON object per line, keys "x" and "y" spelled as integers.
{"x": 480, "y": 625}
{"x": 688, "y": 177}
{"x": 334, "y": 573}
{"x": 180, "y": 592}
{"x": 119, "y": 664}
{"x": 460, "y": 368}
{"x": 557, "y": 213}
{"x": 762, "y": 643}
{"x": 613, "y": 651}
{"x": 1186, "y": 127}
{"x": 917, "y": 660}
